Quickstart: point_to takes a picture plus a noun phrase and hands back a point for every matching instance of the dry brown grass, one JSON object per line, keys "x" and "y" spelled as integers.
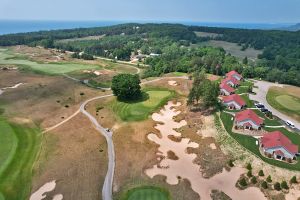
{"x": 42, "y": 98}
{"x": 75, "y": 155}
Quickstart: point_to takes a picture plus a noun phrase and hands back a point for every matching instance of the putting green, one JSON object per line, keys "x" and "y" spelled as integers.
{"x": 147, "y": 193}
{"x": 137, "y": 111}
{"x": 289, "y": 102}
{"x": 19, "y": 146}
{"x": 8, "y": 58}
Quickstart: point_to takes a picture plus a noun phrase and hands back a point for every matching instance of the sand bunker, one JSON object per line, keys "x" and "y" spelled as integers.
{"x": 293, "y": 194}
{"x": 47, "y": 187}
{"x": 172, "y": 83}
{"x": 213, "y": 146}
{"x": 173, "y": 169}
{"x": 12, "y": 87}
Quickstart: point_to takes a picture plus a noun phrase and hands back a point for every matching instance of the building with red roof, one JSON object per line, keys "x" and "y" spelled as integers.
{"x": 278, "y": 145}
{"x": 248, "y": 119}
{"x": 226, "y": 89}
{"x": 231, "y": 82}
{"x": 234, "y": 101}
{"x": 235, "y": 75}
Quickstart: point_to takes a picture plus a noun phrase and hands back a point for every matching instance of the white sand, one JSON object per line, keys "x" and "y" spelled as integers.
{"x": 47, "y": 187}
{"x": 184, "y": 166}
{"x": 172, "y": 83}
{"x": 213, "y": 146}
{"x": 293, "y": 194}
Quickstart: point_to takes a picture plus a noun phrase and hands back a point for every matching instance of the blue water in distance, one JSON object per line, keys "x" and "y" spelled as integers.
{"x": 19, "y": 26}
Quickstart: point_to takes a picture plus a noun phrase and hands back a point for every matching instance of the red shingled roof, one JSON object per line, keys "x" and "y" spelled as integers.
{"x": 278, "y": 139}
{"x": 226, "y": 87}
{"x": 231, "y": 73}
{"x": 233, "y": 80}
{"x": 234, "y": 97}
{"x": 248, "y": 114}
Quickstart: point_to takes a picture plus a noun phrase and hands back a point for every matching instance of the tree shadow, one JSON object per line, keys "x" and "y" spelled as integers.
{"x": 143, "y": 96}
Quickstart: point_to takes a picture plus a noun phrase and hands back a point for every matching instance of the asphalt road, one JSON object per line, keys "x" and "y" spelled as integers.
{"x": 261, "y": 96}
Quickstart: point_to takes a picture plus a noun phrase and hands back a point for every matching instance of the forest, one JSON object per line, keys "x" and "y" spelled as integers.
{"x": 178, "y": 49}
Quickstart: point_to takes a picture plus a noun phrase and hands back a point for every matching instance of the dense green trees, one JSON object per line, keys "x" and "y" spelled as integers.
{"x": 204, "y": 90}
{"x": 279, "y": 62}
{"x": 126, "y": 86}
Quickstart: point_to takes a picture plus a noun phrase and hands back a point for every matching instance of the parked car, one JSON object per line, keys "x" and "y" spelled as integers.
{"x": 290, "y": 124}
{"x": 259, "y": 105}
{"x": 264, "y": 110}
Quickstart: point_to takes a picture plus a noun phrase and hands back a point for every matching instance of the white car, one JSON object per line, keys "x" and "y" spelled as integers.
{"x": 290, "y": 124}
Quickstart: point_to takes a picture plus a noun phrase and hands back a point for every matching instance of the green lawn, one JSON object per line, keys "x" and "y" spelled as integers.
{"x": 137, "y": 111}
{"x": 8, "y": 58}
{"x": 284, "y": 102}
{"x": 147, "y": 193}
{"x": 243, "y": 88}
{"x": 250, "y": 142}
{"x": 19, "y": 146}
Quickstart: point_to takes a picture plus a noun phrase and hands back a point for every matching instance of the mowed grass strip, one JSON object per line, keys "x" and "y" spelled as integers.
{"x": 249, "y": 142}
{"x": 17, "y": 159}
{"x": 137, "y": 111}
{"x": 283, "y": 101}
{"x": 147, "y": 193}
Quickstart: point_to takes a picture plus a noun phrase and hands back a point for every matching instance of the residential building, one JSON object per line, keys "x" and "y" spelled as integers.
{"x": 234, "y": 101}
{"x": 278, "y": 145}
{"x": 248, "y": 119}
{"x": 226, "y": 89}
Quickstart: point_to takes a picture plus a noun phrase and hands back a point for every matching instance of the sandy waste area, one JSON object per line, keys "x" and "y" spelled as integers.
{"x": 172, "y": 83}
{"x": 185, "y": 168}
{"x": 47, "y": 187}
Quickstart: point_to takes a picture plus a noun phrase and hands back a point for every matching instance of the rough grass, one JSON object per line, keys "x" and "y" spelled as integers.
{"x": 250, "y": 143}
{"x": 8, "y": 58}
{"x": 234, "y": 49}
{"x": 147, "y": 193}
{"x": 284, "y": 101}
{"x": 140, "y": 110}
{"x": 19, "y": 146}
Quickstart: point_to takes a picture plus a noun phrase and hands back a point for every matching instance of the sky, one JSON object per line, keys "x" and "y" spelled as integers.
{"x": 227, "y": 11}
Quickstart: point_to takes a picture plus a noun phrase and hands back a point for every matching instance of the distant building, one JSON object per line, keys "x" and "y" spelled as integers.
{"x": 278, "y": 145}
{"x": 235, "y": 75}
{"x": 226, "y": 89}
{"x": 248, "y": 119}
{"x": 234, "y": 101}
{"x": 231, "y": 82}
{"x": 154, "y": 54}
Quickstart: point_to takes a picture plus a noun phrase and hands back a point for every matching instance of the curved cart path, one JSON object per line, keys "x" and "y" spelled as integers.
{"x": 261, "y": 96}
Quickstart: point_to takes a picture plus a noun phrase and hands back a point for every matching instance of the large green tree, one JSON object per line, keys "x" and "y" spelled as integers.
{"x": 126, "y": 86}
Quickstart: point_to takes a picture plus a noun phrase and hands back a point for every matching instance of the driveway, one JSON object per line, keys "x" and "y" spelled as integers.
{"x": 261, "y": 96}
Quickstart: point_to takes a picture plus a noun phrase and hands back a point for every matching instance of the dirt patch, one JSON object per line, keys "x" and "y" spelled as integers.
{"x": 75, "y": 155}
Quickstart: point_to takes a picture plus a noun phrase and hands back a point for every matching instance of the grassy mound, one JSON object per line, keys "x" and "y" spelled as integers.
{"x": 19, "y": 146}
{"x": 140, "y": 110}
{"x": 284, "y": 101}
{"x": 147, "y": 193}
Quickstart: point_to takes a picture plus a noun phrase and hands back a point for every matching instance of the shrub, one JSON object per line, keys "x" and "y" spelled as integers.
{"x": 253, "y": 180}
{"x": 261, "y": 173}
{"x": 243, "y": 182}
{"x": 293, "y": 180}
{"x": 230, "y": 163}
{"x": 249, "y": 167}
{"x": 249, "y": 173}
{"x": 284, "y": 185}
{"x": 264, "y": 185}
{"x": 81, "y": 93}
{"x": 277, "y": 186}
{"x": 269, "y": 179}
